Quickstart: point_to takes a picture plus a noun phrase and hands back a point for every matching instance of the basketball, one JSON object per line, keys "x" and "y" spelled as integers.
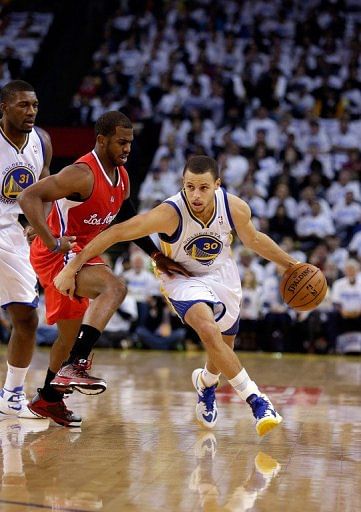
{"x": 303, "y": 287}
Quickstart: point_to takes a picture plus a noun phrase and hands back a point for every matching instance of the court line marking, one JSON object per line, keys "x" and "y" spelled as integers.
{"x": 44, "y": 507}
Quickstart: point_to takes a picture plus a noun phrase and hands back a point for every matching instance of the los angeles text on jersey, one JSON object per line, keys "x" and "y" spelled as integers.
{"x": 95, "y": 220}
{"x": 15, "y": 178}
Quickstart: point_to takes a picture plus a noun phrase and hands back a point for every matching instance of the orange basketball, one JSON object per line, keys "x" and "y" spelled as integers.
{"x": 303, "y": 287}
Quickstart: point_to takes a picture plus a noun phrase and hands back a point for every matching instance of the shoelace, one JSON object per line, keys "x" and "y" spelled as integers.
{"x": 208, "y": 397}
{"x": 18, "y": 397}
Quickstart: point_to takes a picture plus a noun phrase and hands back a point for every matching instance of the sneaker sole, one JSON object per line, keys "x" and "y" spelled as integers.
{"x": 31, "y": 415}
{"x": 59, "y": 421}
{"x": 85, "y": 389}
{"x": 265, "y": 425}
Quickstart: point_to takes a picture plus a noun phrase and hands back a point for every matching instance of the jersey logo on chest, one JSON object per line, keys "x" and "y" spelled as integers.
{"x": 204, "y": 248}
{"x": 15, "y": 181}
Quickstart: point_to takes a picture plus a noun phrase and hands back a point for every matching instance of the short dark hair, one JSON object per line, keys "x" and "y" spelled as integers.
{"x": 202, "y": 164}
{"x": 12, "y": 87}
{"x": 107, "y": 123}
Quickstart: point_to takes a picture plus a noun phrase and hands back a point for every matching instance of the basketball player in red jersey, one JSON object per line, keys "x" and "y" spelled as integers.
{"x": 86, "y": 196}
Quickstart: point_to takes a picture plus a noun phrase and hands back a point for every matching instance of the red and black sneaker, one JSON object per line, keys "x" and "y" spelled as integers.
{"x": 75, "y": 376}
{"x": 57, "y": 411}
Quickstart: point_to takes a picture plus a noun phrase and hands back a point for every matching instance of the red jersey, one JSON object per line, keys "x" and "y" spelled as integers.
{"x": 88, "y": 218}
{"x": 81, "y": 219}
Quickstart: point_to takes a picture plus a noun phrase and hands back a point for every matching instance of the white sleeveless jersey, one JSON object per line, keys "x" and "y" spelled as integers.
{"x": 204, "y": 250}
{"x": 19, "y": 168}
{"x": 201, "y": 248}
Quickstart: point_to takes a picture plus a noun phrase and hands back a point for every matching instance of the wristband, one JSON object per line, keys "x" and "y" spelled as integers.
{"x": 57, "y": 247}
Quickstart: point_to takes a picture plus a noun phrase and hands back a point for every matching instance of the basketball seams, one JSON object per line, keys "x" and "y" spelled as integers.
{"x": 313, "y": 275}
{"x": 291, "y": 277}
{"x": 314, "y": 299}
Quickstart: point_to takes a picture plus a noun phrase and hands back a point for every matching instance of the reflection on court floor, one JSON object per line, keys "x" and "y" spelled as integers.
{"x": 140, "y": 449}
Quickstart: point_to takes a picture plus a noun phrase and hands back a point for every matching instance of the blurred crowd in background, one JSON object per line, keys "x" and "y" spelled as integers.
{"x": 272, "y": 90}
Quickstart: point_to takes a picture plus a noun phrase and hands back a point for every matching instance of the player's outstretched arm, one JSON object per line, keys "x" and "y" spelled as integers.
{"x": 162, "y": 219}
{"x": 258, "y": 242}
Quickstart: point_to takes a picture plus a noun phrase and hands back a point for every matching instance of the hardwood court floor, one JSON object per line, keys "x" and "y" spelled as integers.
{"x": 139, "y": 449}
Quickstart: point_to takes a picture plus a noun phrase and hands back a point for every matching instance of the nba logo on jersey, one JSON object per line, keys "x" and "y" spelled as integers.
{"x": 220, "y": 220}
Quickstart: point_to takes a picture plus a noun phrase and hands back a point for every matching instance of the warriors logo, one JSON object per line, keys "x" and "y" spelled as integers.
{"x": 15, "y": 181}
{"x": 204, "y": 248}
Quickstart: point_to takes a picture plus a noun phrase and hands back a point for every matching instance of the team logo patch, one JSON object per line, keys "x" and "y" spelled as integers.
{"x": 15, "y": 181}
{"x": 204, "y": 248}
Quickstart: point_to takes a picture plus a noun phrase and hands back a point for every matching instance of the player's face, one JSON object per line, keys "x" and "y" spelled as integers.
{"x": 20, "y": 110}
{"x": 119, "y": 145}
{"x": 199, "y": 190}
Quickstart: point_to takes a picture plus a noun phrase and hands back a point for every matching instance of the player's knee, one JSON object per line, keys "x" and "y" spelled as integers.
{"x": 120, "y": 290}
{"x": 116, "y": 290}
{"x": 208, "y": 331}
{"x": 26, "y": 322}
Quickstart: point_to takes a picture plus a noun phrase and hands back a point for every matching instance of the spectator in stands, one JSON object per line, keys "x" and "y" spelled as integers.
{"x": 277, "y": 317}
{"x": 282, "y": 197}
{"x": 346, "y": 214}
{"x": 314, "y": 227}
{"x": 248, "y": 262}
{"x": 280, "y": 225}
{"x": 345, "y": 182}
{"x": 250, "y": 312}
{"x": 355, "y": 244}
{"x": 343, "y": 140}
{"x": 160, "y": 329}
{"x": 346, "y": 296}
{"x": 141, "y": 284}
{"x": 159, "y": 184}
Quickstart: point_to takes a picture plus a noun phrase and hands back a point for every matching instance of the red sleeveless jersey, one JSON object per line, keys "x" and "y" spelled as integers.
{"x": 81, "y": 219}
{"x": 88, "y": 218}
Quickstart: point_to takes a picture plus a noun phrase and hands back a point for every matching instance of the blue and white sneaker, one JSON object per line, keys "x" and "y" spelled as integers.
{"x": 266, "y": 416}
{"x": 14, "y": 403}
{"x": 206, "y": 408}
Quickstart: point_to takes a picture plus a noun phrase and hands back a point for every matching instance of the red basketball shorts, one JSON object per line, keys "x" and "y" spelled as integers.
{"x": 47, "y": 266}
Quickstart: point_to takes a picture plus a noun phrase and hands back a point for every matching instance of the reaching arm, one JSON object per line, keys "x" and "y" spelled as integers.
{"x": 74, "y": 179}
{"x": 162, "y": 219}
{"x": 253, "y": 239}
{"x": 128, "y": 211}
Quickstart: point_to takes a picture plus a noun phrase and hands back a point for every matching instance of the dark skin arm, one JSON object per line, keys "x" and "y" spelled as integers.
{"x": 73, "y": 179}
{"x": 29, "y": 231}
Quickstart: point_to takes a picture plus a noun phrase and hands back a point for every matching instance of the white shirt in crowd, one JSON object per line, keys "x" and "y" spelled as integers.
{"x": 141, "y": 285}
{"x": 347, "y": 295}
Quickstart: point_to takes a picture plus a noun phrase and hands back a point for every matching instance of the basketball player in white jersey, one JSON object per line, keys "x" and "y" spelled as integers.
{"x": 25, "y": 155}
{"x": 195, "y": 228}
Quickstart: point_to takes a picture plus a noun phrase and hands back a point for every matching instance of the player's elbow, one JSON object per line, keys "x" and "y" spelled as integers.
{"x": 252, "y": 242}
{"x": 22, "y": 199}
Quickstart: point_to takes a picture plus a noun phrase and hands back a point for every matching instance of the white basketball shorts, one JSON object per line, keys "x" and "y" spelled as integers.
{"x": 224, "y": 297}
{"x": 18, "y": 282}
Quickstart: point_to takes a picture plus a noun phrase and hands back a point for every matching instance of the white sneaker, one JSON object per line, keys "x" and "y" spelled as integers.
{"x": 15, "y": 403}
{"x": 206, "y": 408}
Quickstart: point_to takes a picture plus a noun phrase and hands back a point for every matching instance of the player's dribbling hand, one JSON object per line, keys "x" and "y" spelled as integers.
{"x": 64, "y": 282}
{"x": 168, "y": 266}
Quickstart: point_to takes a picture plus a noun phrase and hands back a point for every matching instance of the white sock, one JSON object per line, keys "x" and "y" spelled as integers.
{"x": 15, "y": 378}
{"x": 243, "y": 385}
{"x": 208, "y": 378}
